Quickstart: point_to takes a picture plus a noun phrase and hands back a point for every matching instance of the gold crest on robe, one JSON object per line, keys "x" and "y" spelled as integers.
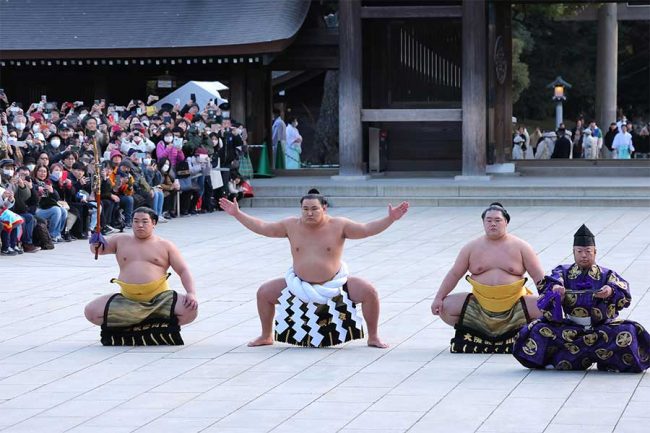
{"x": 604, "y": 354}
{"x": 530, "y": 348}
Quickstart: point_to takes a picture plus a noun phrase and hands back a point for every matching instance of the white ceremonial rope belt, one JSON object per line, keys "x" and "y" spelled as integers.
{"x": 318, "y": 293}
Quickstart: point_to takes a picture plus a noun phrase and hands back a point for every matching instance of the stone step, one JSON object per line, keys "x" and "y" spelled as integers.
{"x": 582, "y": 167}
{"x": 518, "y": 191}
{"x": 339, "y": 201}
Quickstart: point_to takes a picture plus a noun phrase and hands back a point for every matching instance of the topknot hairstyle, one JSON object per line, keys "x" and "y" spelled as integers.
{"x": 498, "y": 207}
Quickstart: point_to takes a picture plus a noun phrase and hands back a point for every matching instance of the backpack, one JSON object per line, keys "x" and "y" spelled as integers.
{"x": 41, "y": 236}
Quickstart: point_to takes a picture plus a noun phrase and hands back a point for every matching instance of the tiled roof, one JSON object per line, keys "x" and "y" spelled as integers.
{"x": 42, "y": 25}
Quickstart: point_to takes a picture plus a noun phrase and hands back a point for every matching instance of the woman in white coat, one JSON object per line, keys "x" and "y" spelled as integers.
{"x": 294, "y": 145}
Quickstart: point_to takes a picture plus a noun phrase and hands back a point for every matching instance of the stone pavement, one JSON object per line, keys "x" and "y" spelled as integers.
{"x": 56, "y": 377}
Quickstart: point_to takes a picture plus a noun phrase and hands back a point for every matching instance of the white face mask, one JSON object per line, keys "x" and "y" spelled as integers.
{"x": 146, "y": 161}
{"x": 56, "y": 175}
{"x": 165, "y": 168}
{"x": 20, "y": 126}
{"x": 55, "y": 143}
{"x": 12, "y": 140}
{"x": 8, "y": 172}
{"x": 169, "y": 138}
{"x": 31, "y": 167}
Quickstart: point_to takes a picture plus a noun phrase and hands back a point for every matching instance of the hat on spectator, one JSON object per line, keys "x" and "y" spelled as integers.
{"x": 64, "y": 125}
{"x": 166, "y": 107}
{"x": 131, "y": 152}
{"x": 116, "y": 152}
{"x": 6, "y": 162}
{"x": 201, "y": 151}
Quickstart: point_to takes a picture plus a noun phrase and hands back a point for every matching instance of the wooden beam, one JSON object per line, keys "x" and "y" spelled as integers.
{"x": 412, "y": 115}
{"x": 379, "y": 12}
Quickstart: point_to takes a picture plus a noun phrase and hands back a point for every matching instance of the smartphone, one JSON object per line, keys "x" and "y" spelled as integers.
{"x": 177, "y": 101}
{"x": 193, "y": 97}
{"x": 96, "y": 102}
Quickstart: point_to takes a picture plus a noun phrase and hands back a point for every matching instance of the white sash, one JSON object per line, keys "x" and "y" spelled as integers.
{"x": 318, "y": 293}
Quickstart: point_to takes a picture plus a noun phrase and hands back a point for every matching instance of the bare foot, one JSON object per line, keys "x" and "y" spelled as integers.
{"x": 376, "y": 342}
{"x": 261, "y": 341}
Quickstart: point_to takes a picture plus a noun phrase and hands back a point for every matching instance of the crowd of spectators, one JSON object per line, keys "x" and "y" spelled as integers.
{"x": 622, "y": 140}
{"x": 176, "y": 159}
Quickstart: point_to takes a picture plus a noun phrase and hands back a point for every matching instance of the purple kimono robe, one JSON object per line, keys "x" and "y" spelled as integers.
{"x": 581, "y": 329}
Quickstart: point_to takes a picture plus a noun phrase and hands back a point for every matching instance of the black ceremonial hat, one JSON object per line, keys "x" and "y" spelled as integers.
{"x": 584, "y": 237}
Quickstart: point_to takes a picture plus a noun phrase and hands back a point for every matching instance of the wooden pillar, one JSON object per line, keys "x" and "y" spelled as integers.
{"x": 606, "y": 65}
{"x": 257, "y": 111}
{"x": 474, "y": 87}
{"x": 501, "y": 69}
{"x": 238, "y": 93}
{"x": 350, "y": 46}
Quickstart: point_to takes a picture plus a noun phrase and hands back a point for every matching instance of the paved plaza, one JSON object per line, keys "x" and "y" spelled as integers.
{"x": 56, "y": 377}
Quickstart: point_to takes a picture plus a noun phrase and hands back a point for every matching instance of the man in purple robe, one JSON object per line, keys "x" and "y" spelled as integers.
{"x": 580, "y": 304}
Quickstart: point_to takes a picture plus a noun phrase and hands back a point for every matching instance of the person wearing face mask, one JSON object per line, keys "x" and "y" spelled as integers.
{"x": 63, "y": 185}
{"x": 294, "y": 145}
{"x": 53, "y": 146}
{"x": 7, "y": 171}
{"x": 25, "y": 198}
{"x": 11, "y": 224}
{"x": 48, "y": 199}
{"x": 20, "y": 123}
{"x": 169, "y": 186}
{"x": 169, "y": 147}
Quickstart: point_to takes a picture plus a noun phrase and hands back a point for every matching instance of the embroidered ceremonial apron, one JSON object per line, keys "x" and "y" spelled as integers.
{"x": 141, "y": 315}
{"x": 317, "y": 315}
{"x": 490, "y": 318}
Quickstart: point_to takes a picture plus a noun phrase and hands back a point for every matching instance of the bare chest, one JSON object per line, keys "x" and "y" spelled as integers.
{"x": 155, "y": 255}
{"x": 324, "y": 242}
{"x": 506, "y": 259}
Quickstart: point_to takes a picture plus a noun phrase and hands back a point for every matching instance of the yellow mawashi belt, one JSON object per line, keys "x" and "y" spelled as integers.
{"x": 143, "y": 292}
{"x": 498, "y": 298}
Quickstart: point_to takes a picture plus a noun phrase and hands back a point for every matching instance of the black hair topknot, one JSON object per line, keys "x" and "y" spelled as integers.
{"x": 497, "y": 206}
{"x": 314, "y": 194}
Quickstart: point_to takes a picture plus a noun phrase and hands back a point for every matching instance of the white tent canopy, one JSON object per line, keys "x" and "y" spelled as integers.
{"x": 203, "y": 90}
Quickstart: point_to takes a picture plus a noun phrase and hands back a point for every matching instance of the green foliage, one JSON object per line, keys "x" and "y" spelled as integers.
{"x": 520, "y": 77}
{"x": 549, "y": 48}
